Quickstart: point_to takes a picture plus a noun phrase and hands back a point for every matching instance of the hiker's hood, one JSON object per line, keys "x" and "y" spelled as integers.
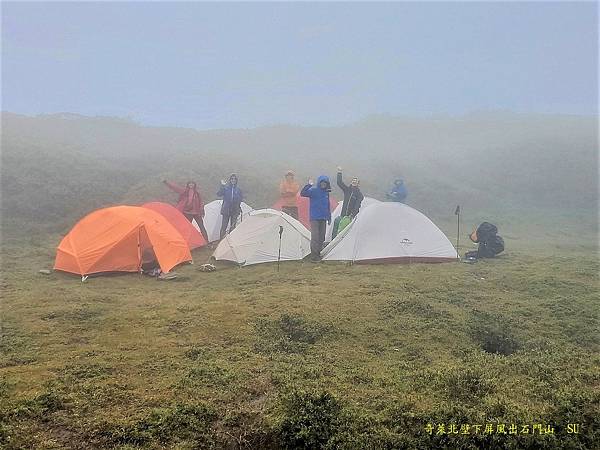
{"x": 324, "y": 178}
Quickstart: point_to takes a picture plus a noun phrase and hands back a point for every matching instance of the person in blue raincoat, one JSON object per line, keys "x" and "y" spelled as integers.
{"x": 398, "y": 192}
{"x": 320, "y": 214}
{"x": 232, "y": 201}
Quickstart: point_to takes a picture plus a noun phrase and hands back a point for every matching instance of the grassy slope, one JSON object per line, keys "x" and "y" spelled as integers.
{"x": 399, "y": 346}
{"x": 241, "y": 356}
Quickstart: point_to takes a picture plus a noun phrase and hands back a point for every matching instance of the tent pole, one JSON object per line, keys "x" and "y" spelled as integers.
{"x": 457, "y": 213}
{"x": 279, "y": 253}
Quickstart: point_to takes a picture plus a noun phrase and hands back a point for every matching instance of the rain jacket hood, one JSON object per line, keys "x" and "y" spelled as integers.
{"x": 324, "y": 178}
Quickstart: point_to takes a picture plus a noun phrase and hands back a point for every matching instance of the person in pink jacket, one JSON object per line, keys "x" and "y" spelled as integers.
{"x": 190, "y": 204}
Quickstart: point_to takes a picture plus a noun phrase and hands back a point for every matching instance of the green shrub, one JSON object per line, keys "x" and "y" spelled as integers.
{"x": 248, "y": 429}
{"x": 88, "y": 371}
{"x": 579, "y": 407}
{"x": 311, "y": 420}
{"x": 209, "y": 374}
{"x": 465, "y": 384}
{"x": 179, "y": 423}
{"x": 40, "y": 406}
{"x": 288, "y": 334}
{"x": 492, "y": 333}
{"x": 194, "y": 353}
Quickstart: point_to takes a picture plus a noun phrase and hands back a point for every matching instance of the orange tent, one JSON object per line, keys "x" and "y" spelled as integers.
{"x": 114, "y": 240}
{"x": 178, "y": 220}
{"x": 304, "y": 208}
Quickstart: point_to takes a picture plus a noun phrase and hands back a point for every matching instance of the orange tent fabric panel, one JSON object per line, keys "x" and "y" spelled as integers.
{"x": 169, "y": 246}
{"x": 66, "y": 257}
{"x": 123, "y": 257}
{"x": 178, "y": 220}
{"x": 113, "y": 239}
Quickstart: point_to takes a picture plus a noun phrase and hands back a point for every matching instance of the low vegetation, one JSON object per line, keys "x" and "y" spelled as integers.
{"x": 314, "y": 356}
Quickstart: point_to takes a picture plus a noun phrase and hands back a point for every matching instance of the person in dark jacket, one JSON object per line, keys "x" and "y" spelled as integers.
{"x": 398, "y": 192}
{"x": 320, "y": 214}
{"x": 352, "y": 200}
{"x": 190, "y": 203}
{"x": 232, "y": 200}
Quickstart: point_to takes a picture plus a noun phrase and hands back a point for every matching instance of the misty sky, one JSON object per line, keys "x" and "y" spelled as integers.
{"x": 245, "y": 65}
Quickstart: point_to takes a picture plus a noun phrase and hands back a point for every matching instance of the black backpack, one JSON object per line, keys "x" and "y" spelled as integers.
{"x": 490, "y": 244}
{"x": 490, "y": 248}
{"x": 486, "y": 231}
{"x": 496, "y": 244}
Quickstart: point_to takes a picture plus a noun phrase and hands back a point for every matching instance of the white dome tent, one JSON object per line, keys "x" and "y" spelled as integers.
{"x": 213, "y": 218}
{"x": 389, "y": 232}
{"x": 256, "y": 239}
{"x": 338, "y": 210}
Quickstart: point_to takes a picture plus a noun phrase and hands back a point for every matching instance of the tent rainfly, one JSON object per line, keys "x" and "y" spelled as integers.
{"x": 176, "y": 218}
{"x": 256, "y": 240}
{"x": 117, "y": 239}
{"x": 338, "y": 210}
{"x": 389, "y": 232}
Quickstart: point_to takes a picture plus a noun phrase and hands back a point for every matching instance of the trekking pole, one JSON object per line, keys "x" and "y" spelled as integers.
{"x": 279, "y": 253}
{"x": 457, "y": 214}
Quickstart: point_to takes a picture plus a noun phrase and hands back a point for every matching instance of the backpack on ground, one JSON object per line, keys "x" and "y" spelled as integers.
{"x": 491, "y": 247}
{"x": 490, "y": 243}
{"x": 484, "y": 232}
